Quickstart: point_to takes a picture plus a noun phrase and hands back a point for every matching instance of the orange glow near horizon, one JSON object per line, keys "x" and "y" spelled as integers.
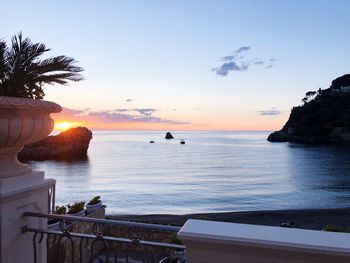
{"x": 65, "y": 125}
{"x": 238, "y": 122}
{"x": 62, "y": 125}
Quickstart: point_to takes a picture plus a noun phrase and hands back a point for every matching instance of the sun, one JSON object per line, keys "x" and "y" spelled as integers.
{"x": 65, "y": 125}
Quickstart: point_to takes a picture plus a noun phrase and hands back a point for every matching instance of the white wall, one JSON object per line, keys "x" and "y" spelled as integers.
{"x": 209, "y": 241}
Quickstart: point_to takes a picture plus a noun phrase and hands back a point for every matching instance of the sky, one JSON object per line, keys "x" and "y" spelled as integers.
{"x": 186, "y": 65}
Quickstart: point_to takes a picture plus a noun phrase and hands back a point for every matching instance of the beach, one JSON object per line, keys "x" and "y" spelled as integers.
{"x": 315, "y": 219}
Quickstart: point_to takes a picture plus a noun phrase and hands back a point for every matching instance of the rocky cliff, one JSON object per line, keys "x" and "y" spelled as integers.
{"x": 323, "y": 117}
{"x": 68, "y": 145}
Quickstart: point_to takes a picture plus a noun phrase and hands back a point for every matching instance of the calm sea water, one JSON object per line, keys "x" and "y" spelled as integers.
{"x": 212, "y": 172}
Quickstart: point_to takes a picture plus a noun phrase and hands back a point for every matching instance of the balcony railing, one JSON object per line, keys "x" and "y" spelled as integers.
{"x": 85, "y": 239}
{"x": 51, "y": 198}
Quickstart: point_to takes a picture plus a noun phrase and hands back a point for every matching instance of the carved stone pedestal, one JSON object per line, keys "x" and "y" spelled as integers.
{"x": 22, "y": 121}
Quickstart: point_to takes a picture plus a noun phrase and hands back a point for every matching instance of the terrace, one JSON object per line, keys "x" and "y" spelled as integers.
{"x": 92, "y": 238}
{"x": 27, "y": 199}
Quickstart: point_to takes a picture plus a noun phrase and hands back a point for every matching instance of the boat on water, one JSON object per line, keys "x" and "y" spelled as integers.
{"x": 182, "y": 142}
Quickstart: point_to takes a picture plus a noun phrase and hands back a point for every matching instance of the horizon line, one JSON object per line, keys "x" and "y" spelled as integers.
{"x": 131, "y": 130}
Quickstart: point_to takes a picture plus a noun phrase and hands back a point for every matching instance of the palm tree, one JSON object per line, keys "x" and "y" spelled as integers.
{"x": 23, "y": 73}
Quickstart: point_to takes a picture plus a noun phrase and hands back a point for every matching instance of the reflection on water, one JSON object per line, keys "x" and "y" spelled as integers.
{"x": 213, "y": 171}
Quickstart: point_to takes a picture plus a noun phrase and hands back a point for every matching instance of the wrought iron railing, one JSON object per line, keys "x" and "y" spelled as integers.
{"x": 51, "y": 198}
{"x": 86, "y": 239}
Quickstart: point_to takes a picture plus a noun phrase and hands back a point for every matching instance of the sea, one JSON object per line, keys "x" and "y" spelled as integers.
{"x": 214, "y": 171}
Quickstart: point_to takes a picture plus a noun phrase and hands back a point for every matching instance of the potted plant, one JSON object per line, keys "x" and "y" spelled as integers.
{"x": 24, "y": 117}
{"x": 94, "y": 204}
{"x": 77, "y": 209}
{"x": 54, "y": 224}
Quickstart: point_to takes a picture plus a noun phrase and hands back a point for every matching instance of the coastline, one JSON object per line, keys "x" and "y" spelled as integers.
{"x": 315, "y": 219}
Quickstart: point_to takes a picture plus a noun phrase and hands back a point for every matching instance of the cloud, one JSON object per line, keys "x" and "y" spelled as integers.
{"x": 270, "y": 112}
{"x": 118, "y": 116}
{"x": 129, "y": 100}
{"x": 237, "y": 62}
{"x": 124, "y": 118}
{"x": 225, "y": 68}
{"x": 69, "y": 111}
{"x": 121, "y": 110}
{"x": 271, "y": 63}
{"x": 228, "y": 58}
{"x": 145, "y": 111}
{"x": 142, "y": 111}
{"x": 235, "y": 54}
{"x": 244, "y": 48}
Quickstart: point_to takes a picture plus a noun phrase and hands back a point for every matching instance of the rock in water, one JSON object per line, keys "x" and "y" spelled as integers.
{"x": 278, "y": 136}
{"x": 68, "y": 145}
{"x": 169, "y": 136}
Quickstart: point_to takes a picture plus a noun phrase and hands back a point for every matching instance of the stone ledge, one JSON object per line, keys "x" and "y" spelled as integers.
{"x": 249, "y": 243}
{"x": 18, "y": 193}
{"x": 28, "y": 104}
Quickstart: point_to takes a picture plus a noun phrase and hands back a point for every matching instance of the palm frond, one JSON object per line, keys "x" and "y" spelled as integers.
{"x": 3, "y": 62}
{"x": 59, "y": 63}
{"x": 22, "y": 72}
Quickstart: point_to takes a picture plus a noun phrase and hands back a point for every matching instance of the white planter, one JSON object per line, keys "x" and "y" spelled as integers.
{"x": 92, "y": 208}
{"x": 22, "y": 121}
{"x": 80, "y": 213}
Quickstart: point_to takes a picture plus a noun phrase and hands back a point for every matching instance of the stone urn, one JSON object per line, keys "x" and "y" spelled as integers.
{"x": 22, "y": 121}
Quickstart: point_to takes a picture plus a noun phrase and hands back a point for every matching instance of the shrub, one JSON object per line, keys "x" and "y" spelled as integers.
{"x": 335, "y": 228}
{"x": 173, "y": 239}
{"x": 76, "y": 207}
{"x": 204, "y": 217}
{"x": 95, "y": 200}
{"x": 60, "y": 210}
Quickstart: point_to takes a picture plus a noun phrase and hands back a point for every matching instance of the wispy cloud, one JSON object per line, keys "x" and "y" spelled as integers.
{"x": 244, "y": 48}
{"x": 238, "y": 62}
{"x": 143, "y": 115}
{"x": 235, "y": 54}
{"x": 121, "y": 110}
{"x": 145, "y": 111}
{"x": 68, "y": 111}
{"x": 270, "y": 112}
{"x": 271, "y": 63}
{"x": 124, "y": 118}
{"x": 225, "y": 68}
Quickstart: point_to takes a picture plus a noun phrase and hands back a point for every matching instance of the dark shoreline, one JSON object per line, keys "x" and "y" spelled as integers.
{"x": 315, "y": 219}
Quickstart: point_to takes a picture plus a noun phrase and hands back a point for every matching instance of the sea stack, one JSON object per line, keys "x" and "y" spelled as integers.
{"x": 68, "y": 145}
{"x": 169, "y": 136}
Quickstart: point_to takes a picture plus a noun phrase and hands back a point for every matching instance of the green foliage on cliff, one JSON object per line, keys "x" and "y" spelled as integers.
{"x": 323, "y": 117}
{"x": 329, "y": 109}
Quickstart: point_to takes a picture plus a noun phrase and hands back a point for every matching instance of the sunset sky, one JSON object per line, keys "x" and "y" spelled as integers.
{"x": 187, "y": 65}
